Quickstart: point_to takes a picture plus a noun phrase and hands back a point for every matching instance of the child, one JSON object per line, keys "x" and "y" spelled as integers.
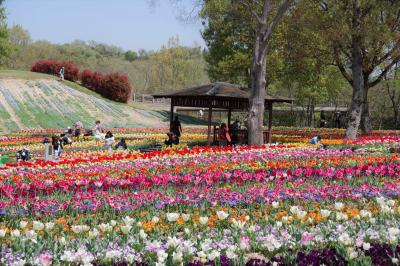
{"x": 57, "y": 147}
{"x": 109, "y": 141}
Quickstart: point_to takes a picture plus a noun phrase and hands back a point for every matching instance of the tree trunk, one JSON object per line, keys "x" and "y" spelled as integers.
{"x": 357, "y": 73}
{"x": 365, "y": 123}
{"x": 257, "y": 97}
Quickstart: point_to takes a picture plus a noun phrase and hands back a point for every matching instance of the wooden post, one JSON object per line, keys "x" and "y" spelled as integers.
{"x": 209, "y": 124}
{"x": 171, "y": 115}
{"x": 269, "y": 122}
{"x": 229, "y": 116}
{"x": 134, "y": 97}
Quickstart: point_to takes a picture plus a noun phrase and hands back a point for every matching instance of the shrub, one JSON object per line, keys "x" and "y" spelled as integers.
{"x": 112, "y": 86}
{"x": 53, "y": 67}
{"x": 116, "y": 87}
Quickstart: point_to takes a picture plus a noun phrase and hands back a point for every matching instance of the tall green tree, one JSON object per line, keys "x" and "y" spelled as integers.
{"x": 5, "y": 46}
{"x": 365, "y": 41}
{"x": 247, "y": 25}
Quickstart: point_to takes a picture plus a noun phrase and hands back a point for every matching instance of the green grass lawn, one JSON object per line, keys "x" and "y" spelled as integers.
{"x": 19, "y": 74}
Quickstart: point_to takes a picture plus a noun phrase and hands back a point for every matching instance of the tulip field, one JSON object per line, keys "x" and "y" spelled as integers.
{"x": 288, "y": 203}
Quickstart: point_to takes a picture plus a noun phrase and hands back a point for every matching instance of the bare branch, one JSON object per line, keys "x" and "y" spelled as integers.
{"x": 281, "y": 11}
{"x": 384, "y": 72}
{"x": 341, "y": 67}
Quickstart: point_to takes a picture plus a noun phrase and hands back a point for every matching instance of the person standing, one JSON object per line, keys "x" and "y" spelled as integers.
{"x": 224, "y": 137}
{"x": 62, "y": 70}
{"x": 176, "y": 127}
{"x": 78, "y": 128}
{"x": 57, "y": 147}
{"x": 109, "y": 141}
{"x": 338, "y": 116}
{"x": 322, "y": 120}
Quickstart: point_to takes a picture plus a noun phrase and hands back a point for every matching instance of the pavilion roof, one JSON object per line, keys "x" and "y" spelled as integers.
{"x": 220, "y": 90}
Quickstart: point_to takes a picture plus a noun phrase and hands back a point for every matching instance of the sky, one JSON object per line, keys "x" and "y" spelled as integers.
{"x": 130, "y": 24}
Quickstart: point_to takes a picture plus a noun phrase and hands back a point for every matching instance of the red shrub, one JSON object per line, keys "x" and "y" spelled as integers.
{"x": 53, "y": 67}
{"x": 112, "y": 86}
{"x": 116, "y": 87}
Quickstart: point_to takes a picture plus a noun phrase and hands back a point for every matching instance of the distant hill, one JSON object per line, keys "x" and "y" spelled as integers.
{"x": 31, "y": 100}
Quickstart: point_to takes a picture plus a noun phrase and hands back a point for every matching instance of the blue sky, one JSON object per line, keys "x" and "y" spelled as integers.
{"x": 130, "y": 24}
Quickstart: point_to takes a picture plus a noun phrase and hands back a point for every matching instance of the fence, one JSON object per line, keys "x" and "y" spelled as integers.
{"x": 147, "y": 98}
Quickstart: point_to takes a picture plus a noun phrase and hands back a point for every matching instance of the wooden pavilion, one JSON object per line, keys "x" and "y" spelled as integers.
{"x": 220, "y": 95}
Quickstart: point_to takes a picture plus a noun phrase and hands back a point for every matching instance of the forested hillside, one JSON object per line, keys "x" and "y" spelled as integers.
{"x": 171, "y": 67}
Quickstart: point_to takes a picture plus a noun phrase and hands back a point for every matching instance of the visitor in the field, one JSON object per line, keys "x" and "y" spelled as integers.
{"x": 234, "y": 129}
{"x": 172, "y": 139}
{"x": 57, "y": 147}
{"x": 23, "y": 155}
{"x": 176, "y": 127}
{"x": 65, "y": 139}
{"x": 322, "y": 120}
{"x": 98, "y": 130}
{"x": 121, "y": 145}
{"x": 62, "y": 73}
{"x": 78, "y": 128}
{"x": 315, "y": 140}
{"x": 109, "y": 141}
{"x": 224, "y": 137}
{"x": 338, "y": 116}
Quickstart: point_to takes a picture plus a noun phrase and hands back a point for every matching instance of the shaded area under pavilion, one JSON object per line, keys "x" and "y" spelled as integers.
{"x": 220, "y": 95}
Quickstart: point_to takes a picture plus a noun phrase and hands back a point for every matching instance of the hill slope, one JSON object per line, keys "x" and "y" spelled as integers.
{"x": 28, "y": 100}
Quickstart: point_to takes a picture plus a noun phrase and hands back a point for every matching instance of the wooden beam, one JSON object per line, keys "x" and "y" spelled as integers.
{"x": 269, "y": 122}
{"x": 171, "y": 115}
{"x": 229, "y": 116}
{"x": 209, "y": 125}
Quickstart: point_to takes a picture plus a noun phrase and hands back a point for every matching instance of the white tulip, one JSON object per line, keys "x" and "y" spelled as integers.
{"x": 172, "y": 216}
{"x": 23, "y": 224}
{"x": 15, "y": 233}
{"x": 177, "y": 257}
{"x": 339, "y": 206}
{"x": 325, "y": 213}
{"x": 125, "y": 229}
{"x": 366, "y": 246}
{"x": 142, "y": 234}
{"x": 155, "y": 219}
{"x": 49, "y": 226}
{"x": 185, "y": 217}
{"x": 128, "y": 220}
{"x": 275, "y": 204}
{"x": 113, "y": 223}
{"x": 222, "y": 215}
{"x": 203, "y": 220}
{"x": 2, "y": 233}
{"x": 38, "y": 226}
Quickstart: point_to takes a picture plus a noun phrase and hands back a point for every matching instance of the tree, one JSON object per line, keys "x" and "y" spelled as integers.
{"x": 5, "y": 46}
{"x": 264, "y": 30}
{"x": 248, "y": 26}
{"x": 365, "y": 42}
{"x": 392, "y": 85}
{"x": 131, "y": 56}
{"x": 19, "y": 36}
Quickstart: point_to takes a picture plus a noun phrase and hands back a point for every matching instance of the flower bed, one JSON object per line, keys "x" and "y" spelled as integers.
{"x": 286, "y": 204}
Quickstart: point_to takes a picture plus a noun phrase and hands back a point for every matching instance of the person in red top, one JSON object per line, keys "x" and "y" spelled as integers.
{"x": 224, "y": 137}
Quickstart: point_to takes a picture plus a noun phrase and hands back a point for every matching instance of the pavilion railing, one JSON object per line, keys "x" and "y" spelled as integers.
{"x": 241, "y": 135}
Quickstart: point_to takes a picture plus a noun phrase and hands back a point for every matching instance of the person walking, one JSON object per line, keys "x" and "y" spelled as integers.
{"x": 62, "y": 70}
